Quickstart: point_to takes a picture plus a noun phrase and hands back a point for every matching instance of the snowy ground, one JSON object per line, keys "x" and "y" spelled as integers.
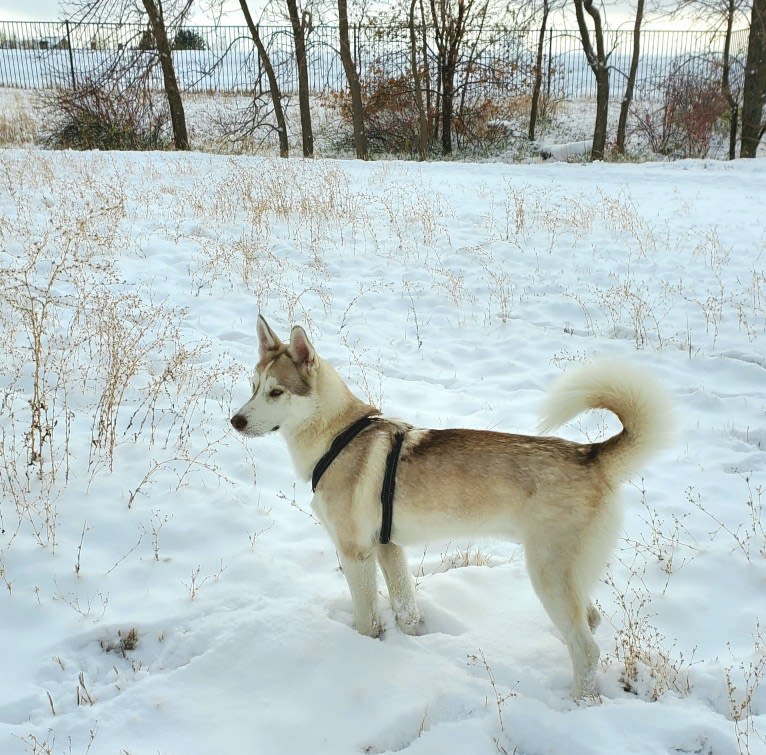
{"x": 166, "y": 587}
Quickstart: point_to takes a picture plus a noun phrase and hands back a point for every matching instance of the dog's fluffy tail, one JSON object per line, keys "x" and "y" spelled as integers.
{"x": 628, "y": 391}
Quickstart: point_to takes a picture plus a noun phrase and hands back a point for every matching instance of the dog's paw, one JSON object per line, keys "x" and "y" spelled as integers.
{"x": 410, "y": 621}
{"x": 372, "y": 628}
{"x": 585, "y": 688}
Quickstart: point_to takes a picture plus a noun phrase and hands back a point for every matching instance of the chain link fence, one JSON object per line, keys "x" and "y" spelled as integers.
{"x": 46, "y": 55}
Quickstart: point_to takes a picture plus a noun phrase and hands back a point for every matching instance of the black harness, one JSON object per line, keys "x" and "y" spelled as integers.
{"x": 389, "y": 477}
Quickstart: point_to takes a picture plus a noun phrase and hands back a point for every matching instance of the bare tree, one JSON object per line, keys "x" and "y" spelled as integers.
{"x": 598, "y": 60}
{"x": 732, "y": 98}
{"x": 630, "y": 84}
{"x": 754, "y": 92}
{"x": 276, "y": 95}
{"x": 538, "y": 72}
{"x": 449, "y": 26}
{"x": 450, "y": 19}
{"x": 301, "y": 23}
{"x": 548, "y": 7}
{"x": 177, "y": 117}
{"x": 352, "y": 76}
{"x": 124, "y": 12}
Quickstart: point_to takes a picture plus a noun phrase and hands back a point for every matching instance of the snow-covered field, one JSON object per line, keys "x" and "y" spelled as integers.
{"x": 165, "y": 588}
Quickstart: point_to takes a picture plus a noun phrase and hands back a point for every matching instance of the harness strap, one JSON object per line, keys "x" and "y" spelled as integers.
{"x": 389, "y": 487}
{"x": 389, "y": 477}
{"x": 338, "y": 444}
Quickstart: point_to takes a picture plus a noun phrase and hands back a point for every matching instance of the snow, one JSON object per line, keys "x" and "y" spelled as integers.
{"x": 451, "y": 293}
{"x": 566, "y": 151}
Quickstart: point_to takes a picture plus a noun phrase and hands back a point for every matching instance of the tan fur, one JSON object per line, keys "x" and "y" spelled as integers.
{"x": 556, "y": 497}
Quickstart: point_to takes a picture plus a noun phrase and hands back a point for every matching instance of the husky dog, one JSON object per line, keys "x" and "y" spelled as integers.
{"x": 556, "y": 497}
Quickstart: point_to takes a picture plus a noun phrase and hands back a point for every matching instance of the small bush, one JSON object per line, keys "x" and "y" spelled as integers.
{"x": 102, "y": 116}
{"x": 390, "y": 114}
{"x": 692, "y": 106}
{"x": 392, "y": 121}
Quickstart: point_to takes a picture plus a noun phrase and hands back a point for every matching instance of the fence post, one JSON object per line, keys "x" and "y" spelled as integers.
{"x": 549, "y": 72}
{"x": 71, "y": 57}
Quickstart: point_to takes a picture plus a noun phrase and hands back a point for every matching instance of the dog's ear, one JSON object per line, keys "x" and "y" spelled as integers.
{"x": 300, "y": 350}
{"x": 267, "y": 340}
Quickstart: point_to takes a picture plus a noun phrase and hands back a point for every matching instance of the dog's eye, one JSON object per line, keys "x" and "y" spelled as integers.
{"x": 275, "y": 392}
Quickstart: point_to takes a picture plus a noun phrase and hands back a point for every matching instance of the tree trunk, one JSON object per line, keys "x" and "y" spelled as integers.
{"x": 177, "y": 118}
{"x": 423, "y": 139}
{"x": 431, "y": 108}
{"x": 450, "y": 30}
{"x": 468, "y": 63}
{"x": 299, "y": 38}
{"x": 276, "y": 95}
{"x": 448, "y": 98}
{"x": 597, "y": 60}
{"x": 622, "y": 123}
{"x": 754, "y": 91}
{"x": 357, "y": 112}
{"x": 538, "y": 84}
{"x": 731, "y": 99}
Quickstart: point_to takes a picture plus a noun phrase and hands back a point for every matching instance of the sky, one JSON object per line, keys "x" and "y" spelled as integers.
{"x": 618, "y": 15}
{"x": 40, "y": 10}
{"x": 51, "y": 10}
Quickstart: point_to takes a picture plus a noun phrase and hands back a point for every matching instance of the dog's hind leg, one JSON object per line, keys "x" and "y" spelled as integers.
{"x": 570, "y": 611}
{"x": 359, "y": 568}
{"x": 401, "y": 589}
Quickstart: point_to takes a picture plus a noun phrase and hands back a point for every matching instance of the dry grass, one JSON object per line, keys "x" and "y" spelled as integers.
{"x": 743, "y": 680}
{"x": 18, "y": 121}
{"x": 80, "y": 344}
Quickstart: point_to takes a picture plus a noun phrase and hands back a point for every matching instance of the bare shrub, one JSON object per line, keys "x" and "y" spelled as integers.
{"x": 78, "y": 345}
{"x": 743, "y": 680}
{"x": 108, "y": 116}
{"x": 246, "y": 124}
{"x": 650, "y": 667}
{"x": 392, "y": 120}
{"x": 38, "y": 303}
{"x": 685, "y": 122}
{"x": 390, "y": 113}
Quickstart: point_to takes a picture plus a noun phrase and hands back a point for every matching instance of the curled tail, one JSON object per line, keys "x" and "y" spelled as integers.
{"x": 628, "y": 391}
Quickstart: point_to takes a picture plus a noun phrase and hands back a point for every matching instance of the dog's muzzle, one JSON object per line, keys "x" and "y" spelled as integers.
{"x": 239, "y": 423}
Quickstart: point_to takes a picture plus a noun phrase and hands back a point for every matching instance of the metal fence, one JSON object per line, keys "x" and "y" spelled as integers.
{"x": 63, "y": 54}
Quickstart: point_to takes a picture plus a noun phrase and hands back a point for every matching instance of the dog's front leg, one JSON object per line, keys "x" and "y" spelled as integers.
{"x": 401, "y": 589}
{"x": 360, "y": 571}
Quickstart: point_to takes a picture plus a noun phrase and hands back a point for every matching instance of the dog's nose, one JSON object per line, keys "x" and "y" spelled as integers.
{"x": 239, "y": 422}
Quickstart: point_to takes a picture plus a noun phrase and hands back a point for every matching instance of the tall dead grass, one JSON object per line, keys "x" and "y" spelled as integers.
{"x": 81, "y": 347}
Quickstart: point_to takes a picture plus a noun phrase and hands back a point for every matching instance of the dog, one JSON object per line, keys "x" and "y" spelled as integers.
{"x": 557, "y": 497}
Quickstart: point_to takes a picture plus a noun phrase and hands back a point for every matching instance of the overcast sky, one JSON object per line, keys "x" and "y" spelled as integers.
{"x": 619, "y": 13}
{"x": 51, "y": 10}
{"x": 31, "y": 10}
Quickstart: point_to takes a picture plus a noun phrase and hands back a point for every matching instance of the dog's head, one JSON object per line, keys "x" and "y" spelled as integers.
{"x": 282, "y": 384}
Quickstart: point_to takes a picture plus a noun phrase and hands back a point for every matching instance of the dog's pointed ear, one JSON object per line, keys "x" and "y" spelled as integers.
{"x": 301, "y": 350}
{"x": 267, "y": 340}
